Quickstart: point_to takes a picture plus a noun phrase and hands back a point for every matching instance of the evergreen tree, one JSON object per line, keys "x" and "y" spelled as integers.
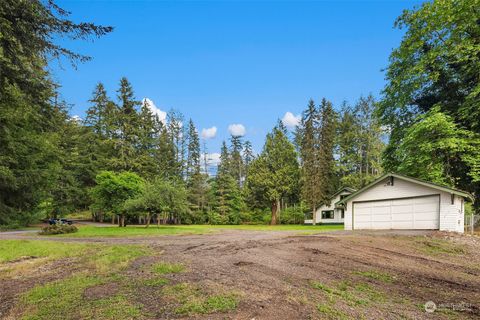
{"x": 275, "y": 173}
{"x": 177, "y": 135}
{"x": 236, "y": 160}
{"x": 128, "y": 124}
{"x": 196, "y": 181}
{"x": 102, "y": 130}
{"x": 248, "y": 157}
{"x": 229, "y": 200}
{"x": 371, "y": 145}
{"x": 193, "y": 151}
{"x": 359, "y": 144}
{"x": 228, "y": 197}
{"x": 326, "y": 164}
{"x": 307, "y": 137}
{"x": 165, "y": 155}
{"x": 347, "y": 142}
{"x": 30, "y": 117}
{"x": 96, "y": 113}
{"x": 224, "y": 165}
{"x": 147, "y": 141}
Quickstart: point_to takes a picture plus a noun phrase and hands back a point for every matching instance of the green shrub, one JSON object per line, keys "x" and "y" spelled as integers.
{"x": 58, "y": 229}
{"x": 216, "y": 218}
{"x": 293, "y": 215}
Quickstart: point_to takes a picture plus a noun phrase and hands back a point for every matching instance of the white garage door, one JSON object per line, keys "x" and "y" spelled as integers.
{"x": 410, "y": 213}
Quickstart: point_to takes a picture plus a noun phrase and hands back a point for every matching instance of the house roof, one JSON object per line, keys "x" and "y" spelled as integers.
{"x": 410, "y": 179}
{"x": 351, "y": 190}
{"x": 342, "y": 189}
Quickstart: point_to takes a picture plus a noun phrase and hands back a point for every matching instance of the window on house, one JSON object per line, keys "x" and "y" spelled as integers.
{"x": 342, "y": 212}
{"x": 327, "y": 214}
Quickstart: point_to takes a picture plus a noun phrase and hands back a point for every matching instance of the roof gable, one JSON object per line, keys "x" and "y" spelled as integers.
{"x": 350, "y": 190}
{"x": 410, "y": 179}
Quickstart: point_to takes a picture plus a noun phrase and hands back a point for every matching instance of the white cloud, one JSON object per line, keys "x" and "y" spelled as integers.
{"x": 209, "y": 133}
{"x": 76, "y": 118}
{"x": 162, "y": 115}
{"x": 290, "y": 120}
{"x": 237, "y": 130}
{"x": 213, "y": 159}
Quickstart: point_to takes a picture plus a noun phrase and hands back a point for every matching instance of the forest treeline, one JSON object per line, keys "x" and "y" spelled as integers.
{"x": 123, "y": 161}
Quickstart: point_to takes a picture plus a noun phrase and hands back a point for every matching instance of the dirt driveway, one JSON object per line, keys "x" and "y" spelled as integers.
{"x": 336, "y": 275}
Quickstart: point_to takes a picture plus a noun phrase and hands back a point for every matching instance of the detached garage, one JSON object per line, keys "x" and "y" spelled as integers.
{"x": 398, "y": 202}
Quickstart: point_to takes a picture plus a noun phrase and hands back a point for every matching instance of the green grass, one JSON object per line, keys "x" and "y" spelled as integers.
{"x": 331, "y": 312}
{"x": 99, "y": 257}
{"x": 11, "y": 250}
{"x": 64, "y": 300}
{"x": 155, "y": 282}
{"x": 106, "y": 259}
{"x": 439, "y": 246}
{"x": 117, "y": 307}
{"x": 354, "y": 295}
{"x": 376, "y": 275}
{"x": 214, "y": 303}
{"x": 165, "y": 268}
{"x": 57, "y": 300}
{"x": 132, "y": 231}
{"x": 283, "y": 227}
{"x": 17, "y": 228}
{"x": 192, "y": 300}
{"x": 153, "y": 230}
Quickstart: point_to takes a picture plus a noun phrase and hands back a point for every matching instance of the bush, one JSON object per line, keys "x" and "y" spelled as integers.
{"x": 293, "y": 215}
{"x": 58, "y": 229}
{"x": 216, "y": 218}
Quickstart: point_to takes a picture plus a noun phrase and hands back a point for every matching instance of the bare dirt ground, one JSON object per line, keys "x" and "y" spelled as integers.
{"x": 283, "y": 275}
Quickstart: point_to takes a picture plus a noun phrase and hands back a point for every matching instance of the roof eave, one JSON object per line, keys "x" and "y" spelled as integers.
{"x": 413, "y": 180}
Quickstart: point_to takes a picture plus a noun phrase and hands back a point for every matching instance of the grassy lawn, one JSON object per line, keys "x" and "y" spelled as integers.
{"x": 11, "y": 250}
{"x": 153, "y": 230}
{"x": 101, "y": 287}
{"x": 65, "y": 298}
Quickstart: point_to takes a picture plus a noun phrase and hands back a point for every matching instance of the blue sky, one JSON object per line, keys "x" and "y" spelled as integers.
{"x": 232, "y": 62}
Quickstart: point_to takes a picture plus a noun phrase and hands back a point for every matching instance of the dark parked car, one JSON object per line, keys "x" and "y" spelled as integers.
{"x": 52, "y": 221}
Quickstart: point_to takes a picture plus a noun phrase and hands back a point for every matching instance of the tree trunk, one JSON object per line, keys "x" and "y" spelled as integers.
{"x": 275, "y": 207}
{"x": 113, "y": 218}
{"x": 314, "y": 215}
{"x": 148, "y": 220}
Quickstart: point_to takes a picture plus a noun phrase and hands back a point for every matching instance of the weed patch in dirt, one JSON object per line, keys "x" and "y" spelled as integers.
{"x": 166, "y": 268}
{"x": 360, "y": 294}
{"x": 435, "y": 246}
{"x": 330, "y": 312}
{"x": 192, "y": 300}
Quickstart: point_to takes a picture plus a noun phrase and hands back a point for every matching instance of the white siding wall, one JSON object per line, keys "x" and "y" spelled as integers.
{"x": 337, "y": 217}
{"x": 450, "y": 215}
